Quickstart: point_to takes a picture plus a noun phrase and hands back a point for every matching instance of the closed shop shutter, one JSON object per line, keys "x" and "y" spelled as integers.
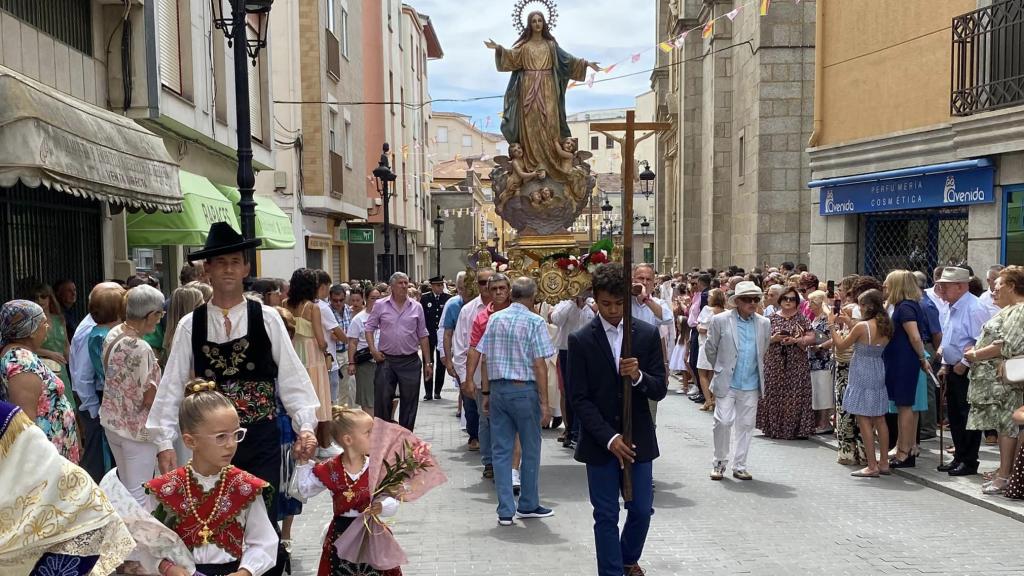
{"x": 170, "y": 44}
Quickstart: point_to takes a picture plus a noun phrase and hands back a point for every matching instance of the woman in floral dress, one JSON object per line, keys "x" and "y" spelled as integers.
{"x": 27, "y": 382}
{"x": 992, "y": 400}
{"x": 784, "y": 411}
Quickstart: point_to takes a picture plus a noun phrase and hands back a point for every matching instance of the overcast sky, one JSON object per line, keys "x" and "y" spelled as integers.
{"x": 603, "y": 30}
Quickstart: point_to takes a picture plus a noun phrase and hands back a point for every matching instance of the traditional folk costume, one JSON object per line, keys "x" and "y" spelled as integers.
{"x": 221, "y": 519}
{"x": 351, "y": 495}
{"x": 54, "y": 520}
{"x": 247, "y": 352}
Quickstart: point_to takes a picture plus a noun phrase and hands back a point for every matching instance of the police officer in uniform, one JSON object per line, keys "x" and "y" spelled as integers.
{"x": 433, "y": 305}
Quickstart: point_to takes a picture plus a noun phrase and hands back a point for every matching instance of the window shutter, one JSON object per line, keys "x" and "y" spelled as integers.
{"x": 255, "y": 103}
{"x": 170, "y": 45}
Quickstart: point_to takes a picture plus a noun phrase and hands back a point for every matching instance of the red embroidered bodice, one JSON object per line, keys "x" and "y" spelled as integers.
{"x": 347, "y": 494}
{"x": 240, "y": 490}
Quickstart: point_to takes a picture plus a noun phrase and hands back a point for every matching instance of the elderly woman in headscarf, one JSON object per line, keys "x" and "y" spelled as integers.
{"x": 57, "y": 522}
{"x": 27, "y": 382}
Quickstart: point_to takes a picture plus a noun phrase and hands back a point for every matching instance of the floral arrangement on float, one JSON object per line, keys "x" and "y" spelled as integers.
{"x": 599, "y": 253}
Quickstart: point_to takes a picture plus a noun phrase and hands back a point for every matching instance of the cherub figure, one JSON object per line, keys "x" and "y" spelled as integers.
{"x": 542, "y": 198}
{"x": 571, "y": 163}
{"x": 517, "y": 174}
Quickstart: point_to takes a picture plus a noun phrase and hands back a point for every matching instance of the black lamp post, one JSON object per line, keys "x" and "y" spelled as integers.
{"x": 438, "y": 228}
{"x": 646, "y": 180}
{"x": 644, "y": 225}
{"x": 235, "y": 29}
{"x": 606, "y": 208}
{"x": 384, "y": 177}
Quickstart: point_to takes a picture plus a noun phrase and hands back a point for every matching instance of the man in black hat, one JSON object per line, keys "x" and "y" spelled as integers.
{"x": 433, "y": 306}
{"x": 243, "y": 347}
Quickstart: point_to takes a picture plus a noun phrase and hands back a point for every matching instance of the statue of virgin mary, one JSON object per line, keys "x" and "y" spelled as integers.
{"x": 534, "y": 114}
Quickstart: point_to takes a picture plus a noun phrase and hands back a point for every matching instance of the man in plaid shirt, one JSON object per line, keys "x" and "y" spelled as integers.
{"x": 514, "y": 348}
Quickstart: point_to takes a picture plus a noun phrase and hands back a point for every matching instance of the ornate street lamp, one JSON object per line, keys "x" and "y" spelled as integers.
{"x": 384, "y": 177}
{"x": 235, "y": 28}
{"x": 438, "y": 228}
{"x": 646, "y": 180}
{"x": 644, "y": 226}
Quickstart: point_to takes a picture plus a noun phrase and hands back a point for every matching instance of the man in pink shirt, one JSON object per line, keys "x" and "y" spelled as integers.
{"x": 403, "y": 337}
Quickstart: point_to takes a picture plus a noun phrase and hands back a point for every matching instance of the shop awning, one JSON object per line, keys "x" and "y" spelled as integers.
{"x": 202, "y": 205}
{"x": 52, "y": 139}
{"x": 272, "y": 224}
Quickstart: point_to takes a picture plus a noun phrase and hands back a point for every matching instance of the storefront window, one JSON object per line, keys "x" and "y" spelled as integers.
{"x": 1015, "y": 227}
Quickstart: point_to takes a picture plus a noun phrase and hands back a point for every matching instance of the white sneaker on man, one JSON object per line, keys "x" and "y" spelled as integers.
{"x": 718, "y": 472}
{"x": 515, "y": 482}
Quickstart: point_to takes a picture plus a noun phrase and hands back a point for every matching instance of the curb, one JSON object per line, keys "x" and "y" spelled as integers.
{"x": 954, "y": 490}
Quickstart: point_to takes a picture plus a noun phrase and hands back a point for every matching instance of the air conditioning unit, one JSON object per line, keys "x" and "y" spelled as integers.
{"x": 281, "y": 180}
{"x": 378, "y": 202}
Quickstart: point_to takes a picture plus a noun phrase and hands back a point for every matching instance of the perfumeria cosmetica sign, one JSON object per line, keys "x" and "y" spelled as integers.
{"x": 934, "y": 190}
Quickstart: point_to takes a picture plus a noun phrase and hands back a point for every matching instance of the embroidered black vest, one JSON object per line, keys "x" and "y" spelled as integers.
{"x": 243, "y": 368}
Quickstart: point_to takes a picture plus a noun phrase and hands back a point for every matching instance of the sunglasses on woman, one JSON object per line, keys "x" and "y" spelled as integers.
{"x": 789, "y": 299}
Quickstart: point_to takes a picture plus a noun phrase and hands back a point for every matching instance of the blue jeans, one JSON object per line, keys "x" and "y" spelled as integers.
{"x": 484, "y": 430}
{"x": 472, "y": 412}
{"x": 615, "y": 551}
{"x": 515, "y": 408}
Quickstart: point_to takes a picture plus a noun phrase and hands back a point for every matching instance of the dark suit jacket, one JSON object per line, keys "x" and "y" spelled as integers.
{"x": 596, "y": 389}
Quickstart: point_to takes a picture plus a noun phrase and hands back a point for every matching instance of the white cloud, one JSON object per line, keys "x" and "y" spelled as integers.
{"x": 607, "y": 31}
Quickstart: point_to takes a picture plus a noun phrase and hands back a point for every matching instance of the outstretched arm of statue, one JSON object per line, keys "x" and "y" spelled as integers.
{"x": 492, "y": 44}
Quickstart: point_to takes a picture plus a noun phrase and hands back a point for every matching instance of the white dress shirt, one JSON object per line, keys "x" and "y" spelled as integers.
{"x": 614, "y": 335}
{"x": 328, "y": 322}
{"x": 569, "y": 317}
{"x": 357, "y": 329}
{"x": 259, "y": 546}
{"x": 460, "y": 338}
{"x": 83, "y": 376}
{"x": 643, "y": 312}
{"x": 309, "y": 486}
{"x": 943, "y": 307}
{"x": 293, "y": 384}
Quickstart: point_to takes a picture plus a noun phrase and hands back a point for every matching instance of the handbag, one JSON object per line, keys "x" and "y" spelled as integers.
{"x": 1012, "y": 372}
{"x": 363, "y": 356}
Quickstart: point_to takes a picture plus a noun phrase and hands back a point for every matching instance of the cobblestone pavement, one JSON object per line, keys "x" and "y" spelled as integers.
{"x": 802, "y": 514}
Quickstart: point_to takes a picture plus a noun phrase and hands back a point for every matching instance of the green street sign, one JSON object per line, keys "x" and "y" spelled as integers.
{"x": 360, "y": 236}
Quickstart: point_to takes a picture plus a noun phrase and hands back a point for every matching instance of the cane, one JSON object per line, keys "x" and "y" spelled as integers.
{"x": 941, "y": 402}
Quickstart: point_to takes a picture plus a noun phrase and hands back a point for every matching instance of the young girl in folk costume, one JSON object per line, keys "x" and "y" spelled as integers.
{"x": 217, "y": 510}
{"x": 347, "y": 477}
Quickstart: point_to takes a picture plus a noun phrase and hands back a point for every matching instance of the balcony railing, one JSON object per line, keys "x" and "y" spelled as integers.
{"x": 987, "y": 68}
{"x": 337, "y": 175}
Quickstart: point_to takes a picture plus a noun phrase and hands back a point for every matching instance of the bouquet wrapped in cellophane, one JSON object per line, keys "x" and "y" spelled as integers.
{"x": 401, "y": 466}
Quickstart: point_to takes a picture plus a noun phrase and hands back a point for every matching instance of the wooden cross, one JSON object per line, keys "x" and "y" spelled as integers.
{"x": 628, "y": 143}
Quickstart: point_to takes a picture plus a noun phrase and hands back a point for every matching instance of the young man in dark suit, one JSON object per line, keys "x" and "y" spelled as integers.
{"x": 596, "y": 385}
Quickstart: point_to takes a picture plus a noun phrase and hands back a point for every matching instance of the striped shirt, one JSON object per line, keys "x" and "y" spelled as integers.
{"x": 514, "y": 338}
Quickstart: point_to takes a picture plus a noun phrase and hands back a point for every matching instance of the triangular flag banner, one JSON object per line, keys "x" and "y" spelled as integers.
{"x": 590, "y": 80}
{"x": 764, "y": 7}
{"x": 635, "y": 58}
{"x": 609, "y": 69}
{"x": 732, "y": 15}
{"x": 665, "y": 47}
{"x": 681, "y": 39}
{"x": 709, "y": 29}
{"x": 572, "y": 85}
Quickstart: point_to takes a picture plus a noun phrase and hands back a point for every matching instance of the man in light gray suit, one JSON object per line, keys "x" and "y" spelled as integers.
{"x": 737, "y": 341}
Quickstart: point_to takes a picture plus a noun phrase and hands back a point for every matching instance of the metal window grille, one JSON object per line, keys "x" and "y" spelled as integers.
{"x": 69, "y": 21}
{"x": 49, "y": 235}
{"x": 987, "y": 65}
{"x": 913, "y": 240}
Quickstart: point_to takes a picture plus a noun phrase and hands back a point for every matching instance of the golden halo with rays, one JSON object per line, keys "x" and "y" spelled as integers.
{"x": 517, "y": 13}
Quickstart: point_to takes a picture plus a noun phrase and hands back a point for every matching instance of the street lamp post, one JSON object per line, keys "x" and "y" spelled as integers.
{"x": 438, "y": 228}
{"x": 606, "y": 209}
{"x": 384, "y": 177}
{"x": 235, "y": 28}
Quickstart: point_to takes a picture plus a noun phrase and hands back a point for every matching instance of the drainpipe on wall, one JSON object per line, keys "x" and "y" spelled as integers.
{"x": 819, "y": 13}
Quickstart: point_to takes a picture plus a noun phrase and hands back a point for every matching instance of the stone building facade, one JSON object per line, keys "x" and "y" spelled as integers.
{"x": 733, "y": 170}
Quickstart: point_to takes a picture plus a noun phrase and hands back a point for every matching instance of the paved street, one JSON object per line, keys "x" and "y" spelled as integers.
{"x": 803, "y": 514}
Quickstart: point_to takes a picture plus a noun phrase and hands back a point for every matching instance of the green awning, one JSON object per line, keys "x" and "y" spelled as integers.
{"x": 202, "y": 205}
{"x": 272, "y": 224}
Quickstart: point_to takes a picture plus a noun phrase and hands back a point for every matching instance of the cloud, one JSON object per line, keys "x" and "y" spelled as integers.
{"x": 608, "y": 31}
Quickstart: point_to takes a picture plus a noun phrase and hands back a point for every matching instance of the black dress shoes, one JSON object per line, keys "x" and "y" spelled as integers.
{"x": 948, "y": 466}
{"x": 964, "y": 470}
{"x": 699, "y": 398}
{"x": 428, "y": 398}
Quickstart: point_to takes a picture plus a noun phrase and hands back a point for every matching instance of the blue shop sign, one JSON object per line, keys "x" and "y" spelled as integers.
{"x": 934, "y": 190}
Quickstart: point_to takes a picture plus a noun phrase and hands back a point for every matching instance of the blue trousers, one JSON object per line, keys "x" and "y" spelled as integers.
{"x": 515, "y": 408}
{"x": 615, "y": 550}
{"x": 484, "y": 430}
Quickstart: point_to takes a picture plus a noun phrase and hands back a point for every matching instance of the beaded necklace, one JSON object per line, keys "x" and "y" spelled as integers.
{"x": 205, "y": 533}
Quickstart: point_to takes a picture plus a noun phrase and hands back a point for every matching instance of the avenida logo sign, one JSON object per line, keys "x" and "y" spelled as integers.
{"x": 950, "y": 195}
{"x": 832, "y": 207}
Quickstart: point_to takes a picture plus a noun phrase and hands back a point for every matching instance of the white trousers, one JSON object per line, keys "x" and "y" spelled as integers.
{"x": 736, "y": 410}
{"x": 136, "y": 463}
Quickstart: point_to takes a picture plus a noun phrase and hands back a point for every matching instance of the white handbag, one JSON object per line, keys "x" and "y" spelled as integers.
{"x": 1013, "y": 371}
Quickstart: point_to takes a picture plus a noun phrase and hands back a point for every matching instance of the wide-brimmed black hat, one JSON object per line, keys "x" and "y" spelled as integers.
{"x": 223, "y": 239}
